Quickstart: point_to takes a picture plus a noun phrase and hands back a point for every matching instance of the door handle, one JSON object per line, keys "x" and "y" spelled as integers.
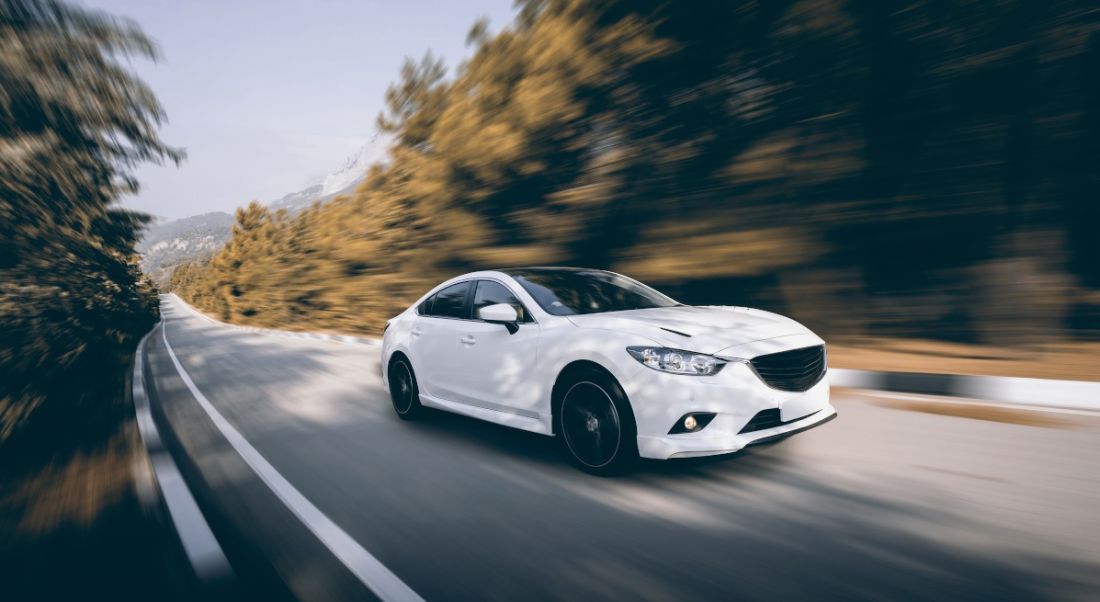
{"x": 415, "y": 332}
{"x": 468, "y": 340}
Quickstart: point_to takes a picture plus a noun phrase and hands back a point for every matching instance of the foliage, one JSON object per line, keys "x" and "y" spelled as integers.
{"x": 923, "y": 168}
{"x": 72, "y": 123}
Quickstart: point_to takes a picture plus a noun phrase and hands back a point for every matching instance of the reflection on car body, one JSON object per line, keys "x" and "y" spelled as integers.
{"x": 613, "y": 368}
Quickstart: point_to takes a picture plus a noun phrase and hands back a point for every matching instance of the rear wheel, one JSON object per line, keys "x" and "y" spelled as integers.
{"x": 595, "y": 424}
{"x": 403, "y": 390}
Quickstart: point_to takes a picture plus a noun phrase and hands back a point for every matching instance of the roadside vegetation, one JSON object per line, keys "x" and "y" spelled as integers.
{"x": 73, "y": 121}
{"x": 73, "y": 303}
{"x": 873, "y": 169}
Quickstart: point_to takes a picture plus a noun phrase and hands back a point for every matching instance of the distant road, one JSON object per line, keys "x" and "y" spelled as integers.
{"x": 881, "y": 503}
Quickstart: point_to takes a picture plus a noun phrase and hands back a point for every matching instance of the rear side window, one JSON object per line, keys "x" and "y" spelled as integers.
{"x": 490, "y": 292}
{"x": 450, "y": 302}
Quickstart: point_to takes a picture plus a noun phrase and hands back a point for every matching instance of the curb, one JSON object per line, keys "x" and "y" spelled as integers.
{"x": 1062, "y": 394}
{"x": 194, "y": 535}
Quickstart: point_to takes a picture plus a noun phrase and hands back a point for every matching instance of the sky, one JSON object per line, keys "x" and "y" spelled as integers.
{"x": 266, "y": 97}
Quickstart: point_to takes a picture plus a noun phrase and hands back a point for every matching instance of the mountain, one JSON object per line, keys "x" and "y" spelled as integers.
{"x": 297, "y": 201}
{"x": 166, "y": 244}
{"x": 355, "y": 167}
{"x": 341, "y": 181}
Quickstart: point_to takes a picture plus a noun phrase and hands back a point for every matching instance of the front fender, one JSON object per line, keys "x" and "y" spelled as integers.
{"x": 396, "y": 339}
{"x": 607, "y": 348}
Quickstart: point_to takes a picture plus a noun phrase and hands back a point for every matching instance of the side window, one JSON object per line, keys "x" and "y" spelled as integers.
{"x": 425, "y": 307}
{"x": 451, "y": 301}
{"x": 490, "y": 292}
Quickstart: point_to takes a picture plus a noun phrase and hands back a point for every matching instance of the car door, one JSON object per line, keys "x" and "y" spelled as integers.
{"x": 495, "y": 365}
{"x": 436, "y": 336}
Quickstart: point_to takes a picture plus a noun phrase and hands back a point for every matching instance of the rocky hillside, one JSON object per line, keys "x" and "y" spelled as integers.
{"x": 167, "y": 244}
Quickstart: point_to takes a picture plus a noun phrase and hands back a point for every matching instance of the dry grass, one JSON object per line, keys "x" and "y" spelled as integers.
{"x": 74, "y": 491}
{"x": 977, "y": 412}
{"x": 73, "y": 528}
{"x": 1065, "y": 361}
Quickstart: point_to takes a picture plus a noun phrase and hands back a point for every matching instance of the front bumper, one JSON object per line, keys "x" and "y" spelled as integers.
{"x": 734, "y": 395}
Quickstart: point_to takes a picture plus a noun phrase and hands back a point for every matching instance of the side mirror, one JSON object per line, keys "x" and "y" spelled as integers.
{"x": 500, "y": 313}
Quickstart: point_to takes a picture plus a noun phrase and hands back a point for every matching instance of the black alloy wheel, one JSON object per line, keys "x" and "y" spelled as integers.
{"x": 595, "y": 425}
{"x": 403, "y": 390}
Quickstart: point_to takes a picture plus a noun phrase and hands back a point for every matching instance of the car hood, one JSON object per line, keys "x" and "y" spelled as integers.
{"x": 694, "y": 328}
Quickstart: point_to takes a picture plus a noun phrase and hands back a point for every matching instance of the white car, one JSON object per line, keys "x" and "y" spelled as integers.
{"x": 613, "y": 368}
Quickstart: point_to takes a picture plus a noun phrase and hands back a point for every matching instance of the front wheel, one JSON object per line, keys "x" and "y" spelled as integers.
{"x": 403, "y": 390}
{"x": 595, "y": 424}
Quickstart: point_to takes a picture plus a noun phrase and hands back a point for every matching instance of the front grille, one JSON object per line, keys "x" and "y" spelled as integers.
{"x": 766, "y": 419}
{"x": 795, "y": 370}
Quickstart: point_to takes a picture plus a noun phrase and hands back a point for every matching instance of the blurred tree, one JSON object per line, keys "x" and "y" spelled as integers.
{"x": 913, "y": 169}
{"x": 73, "y": 122}
{"x": 413, "y": 105}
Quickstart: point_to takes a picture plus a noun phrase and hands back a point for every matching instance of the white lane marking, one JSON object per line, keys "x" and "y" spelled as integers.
{"x": 975, "y": 402}
{"x": 370, "y": 571}
{"x": 199, "y": 544}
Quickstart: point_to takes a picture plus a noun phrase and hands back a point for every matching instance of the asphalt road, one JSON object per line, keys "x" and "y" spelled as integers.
{"x": 882, "y": 503}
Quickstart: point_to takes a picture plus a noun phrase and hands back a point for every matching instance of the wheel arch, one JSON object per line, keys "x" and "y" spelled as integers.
{"x": 395, "y": 355}
{"x": 398, "y": 354}
{"x": 571, "y": 369}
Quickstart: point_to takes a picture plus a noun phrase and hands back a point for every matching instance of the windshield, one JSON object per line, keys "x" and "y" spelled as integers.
{"x": 563, "y": 292}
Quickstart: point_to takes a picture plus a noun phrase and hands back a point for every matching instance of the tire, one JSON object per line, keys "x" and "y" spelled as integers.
{"x": 594, "y": 423}
{"x": 404, "y": 393}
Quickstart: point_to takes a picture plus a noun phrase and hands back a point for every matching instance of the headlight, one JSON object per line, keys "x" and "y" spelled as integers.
{"x": 677, "y": 361}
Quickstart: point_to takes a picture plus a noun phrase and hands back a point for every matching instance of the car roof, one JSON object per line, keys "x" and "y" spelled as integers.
{"x": 510, "y": 273}
{"x": 543, "y": 268}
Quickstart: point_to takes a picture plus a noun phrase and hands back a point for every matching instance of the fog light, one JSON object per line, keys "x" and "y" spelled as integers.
{"x": 691, "y": 423}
